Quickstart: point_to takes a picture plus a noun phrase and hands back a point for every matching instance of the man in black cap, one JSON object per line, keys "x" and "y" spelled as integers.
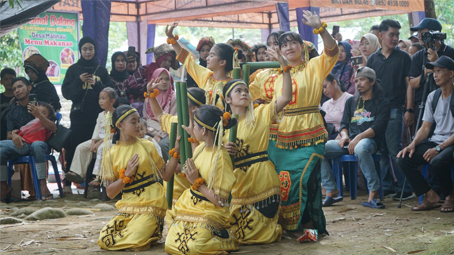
{"x": 438, "y": 149}
{"x": 424, "y": 56}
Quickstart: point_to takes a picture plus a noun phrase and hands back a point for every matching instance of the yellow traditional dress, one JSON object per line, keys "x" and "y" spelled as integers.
{"x": 200, "y": 227}
{"x": 299, "y": 145}
{"x": 181, "y": 183}
{"x": 203, "y": 77}
{"x": 142, "y": 207}
{"x": 254, "y": 209}
{"x": 263, "y": 85}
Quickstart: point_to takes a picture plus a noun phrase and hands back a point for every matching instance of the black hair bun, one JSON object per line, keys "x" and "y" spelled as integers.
{"x": 232, "y": 122}
{"x": 240, "y": 54}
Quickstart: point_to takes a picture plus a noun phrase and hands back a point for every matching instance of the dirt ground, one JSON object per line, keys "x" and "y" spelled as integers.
{"x": 353, "y": 230}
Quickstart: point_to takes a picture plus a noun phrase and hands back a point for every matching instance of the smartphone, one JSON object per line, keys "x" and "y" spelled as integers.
{"x": 89, "y": 70}
{"x": 357, "y": 60}
{"x": 336, "y": 30}
{"x": 33, "y": 99}
{"x": 131, "y": 51}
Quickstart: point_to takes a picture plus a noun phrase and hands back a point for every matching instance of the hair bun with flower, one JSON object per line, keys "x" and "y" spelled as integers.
{"x": 226, "y": 118}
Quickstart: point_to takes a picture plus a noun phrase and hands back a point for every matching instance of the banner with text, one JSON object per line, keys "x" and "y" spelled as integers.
{"x": 55, "y": 36}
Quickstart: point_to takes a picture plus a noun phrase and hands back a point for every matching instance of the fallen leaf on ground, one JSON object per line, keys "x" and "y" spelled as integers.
{"x": 346, "y": 210}
{"x": 389, "y": 248}
{"x": 413, "y": 252}
{"x": 70, "y": 238}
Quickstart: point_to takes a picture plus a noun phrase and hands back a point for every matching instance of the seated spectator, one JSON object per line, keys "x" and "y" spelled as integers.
{"x": 414, "y": 38}
{"x": 404, "y": 45}
{"x": 133, "y": 62}
{"x": 119, "y": 74}
{"x": 27, "y": 136}
{"x": 84, "y": 151}
{"x": 36, "y": 67}
{"x": 375, "y": 29}
{"x": 203, "y": 47}
{"x": 415, "y": 47}
{"x": 6, "y": 98}
{"x": 343, "y": 69}
{"x": 259, "y": 50}
{"x": 334, "y": 107}
{"x": 363, "y": 124}
{"x": 247, "y": 52}
{"x": 438, "y": 149}
{"x": 167, "y": 101}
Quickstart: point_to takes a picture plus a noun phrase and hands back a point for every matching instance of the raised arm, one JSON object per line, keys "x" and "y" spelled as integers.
{"x": 169, "y": 33}
{"x": 286, "y": 96}
{"x": 313, "y": 20}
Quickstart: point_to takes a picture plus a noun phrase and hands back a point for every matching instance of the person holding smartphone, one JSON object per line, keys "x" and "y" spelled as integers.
{"x": 363, "y": 124}
{"x": 82, "y": 84}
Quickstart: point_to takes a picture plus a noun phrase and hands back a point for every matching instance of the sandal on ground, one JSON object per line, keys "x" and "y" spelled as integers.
{"x": 7, "y": 199}
{"x": 447, "y": 207}
{"x": 49, "y": 196}
{"x": 95, "y": 183}
{"x": 374, "y": 203}
{"x": 73, "y": 177}
{"x": 425, "y": 206}
{"x": 330, "y": 201}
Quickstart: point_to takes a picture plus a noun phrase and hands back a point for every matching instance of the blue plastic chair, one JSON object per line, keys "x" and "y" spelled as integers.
{"x": 425, "y": 173}
{"x": 30, "y": 160}
{"x": 351, "y": 175}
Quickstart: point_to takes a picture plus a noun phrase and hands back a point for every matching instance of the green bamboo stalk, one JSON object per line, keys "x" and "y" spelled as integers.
{"x": 232, "y": 137}
{"x": 185, "y": 112}
{"x": 236, "y": 73}
{"x": 180, "y": 122}
{"x": 172, "y": 138}
{"x": 246, "y": 73}
{"x": 258, "y": 65}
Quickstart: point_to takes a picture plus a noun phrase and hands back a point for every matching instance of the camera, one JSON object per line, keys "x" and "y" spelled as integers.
{"x": 429, "y": 38}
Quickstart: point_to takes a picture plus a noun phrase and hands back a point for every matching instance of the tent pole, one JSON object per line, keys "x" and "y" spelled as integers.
{"x": 269, "y": 23}
{"x": 138, "y": 26}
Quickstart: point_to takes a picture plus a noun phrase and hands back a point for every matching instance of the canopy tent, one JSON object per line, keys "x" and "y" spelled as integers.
{"x": 12, "y": 18}
{"x": 143, "y": 15}
{"x": 255, "y": 14}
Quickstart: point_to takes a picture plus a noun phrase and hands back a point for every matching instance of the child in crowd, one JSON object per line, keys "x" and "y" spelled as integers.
{"x": 133, "y": 166}
{"x": 143, "y": 134}
{"x": 6, "y": 76}
{"x": 84, "y": 151}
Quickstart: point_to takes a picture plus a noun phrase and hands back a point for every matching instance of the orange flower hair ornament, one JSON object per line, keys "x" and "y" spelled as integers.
{"x": 225, "y": 118}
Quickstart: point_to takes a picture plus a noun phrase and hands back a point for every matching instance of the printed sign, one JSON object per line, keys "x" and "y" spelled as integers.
{"x": 55, "y": 36}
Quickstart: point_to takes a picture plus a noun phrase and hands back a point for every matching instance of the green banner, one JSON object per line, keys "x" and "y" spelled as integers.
{"x": 54, "y": 35}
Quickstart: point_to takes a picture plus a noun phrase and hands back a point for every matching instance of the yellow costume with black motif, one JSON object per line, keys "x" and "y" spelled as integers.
{"x": 203, "y": 77}
{"x": 254, "y": 209}
{"x": 142, "y": 207}
{"x": 200, "y": 227}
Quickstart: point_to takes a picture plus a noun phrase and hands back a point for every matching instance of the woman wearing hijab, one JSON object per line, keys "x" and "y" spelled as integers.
{"x": 204, "y": 47}
{"x": 36, "y": 66}
{"x": 137, "y": 83}
{"x": 119, "y": 74}
{"x": 83, "y": 82}
{"x": 404, "y": 45}
{"x": 168, "y": 103}
{"x": 369, "y": 44}
{"x": 343, "y": 69}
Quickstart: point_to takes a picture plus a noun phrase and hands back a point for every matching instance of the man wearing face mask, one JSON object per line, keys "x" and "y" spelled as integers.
{"x": 391, "y": 66}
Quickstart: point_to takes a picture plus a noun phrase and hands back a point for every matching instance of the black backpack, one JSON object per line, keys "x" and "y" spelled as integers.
{"x": 435, "y": 99}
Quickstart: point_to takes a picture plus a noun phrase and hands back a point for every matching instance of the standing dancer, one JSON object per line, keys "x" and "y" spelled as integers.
{"x": 219, "y": 63}
{"x": 254, "y": 210}
{"x": 301, "y": 134}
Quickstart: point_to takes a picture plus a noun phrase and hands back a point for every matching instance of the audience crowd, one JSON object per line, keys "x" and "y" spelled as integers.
{"x": 368, "y": 90}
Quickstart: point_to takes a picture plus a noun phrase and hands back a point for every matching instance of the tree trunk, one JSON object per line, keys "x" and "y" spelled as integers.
{"x": 429, "y": 7}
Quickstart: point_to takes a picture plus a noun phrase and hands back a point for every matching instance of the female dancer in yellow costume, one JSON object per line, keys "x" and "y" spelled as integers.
{"x": 256, "y": 193}
{"x": 196, "y": 98}
{"x": 213, "y": 77}
{"x": 301, "y": 134}
{"x": 134, "y": 167}
{"x": 202, "y": 211}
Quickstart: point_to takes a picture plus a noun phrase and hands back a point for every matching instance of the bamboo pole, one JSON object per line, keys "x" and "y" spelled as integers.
{"x": 236, "y": 73}
{"x": 246, "y": 74}
{"x": 232, "y": 137}
{"x": 185, "y": 114}
{"x": 180, "y": 123}
{"x": 172, "y": 138}
{"x": 258, "y": 65}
